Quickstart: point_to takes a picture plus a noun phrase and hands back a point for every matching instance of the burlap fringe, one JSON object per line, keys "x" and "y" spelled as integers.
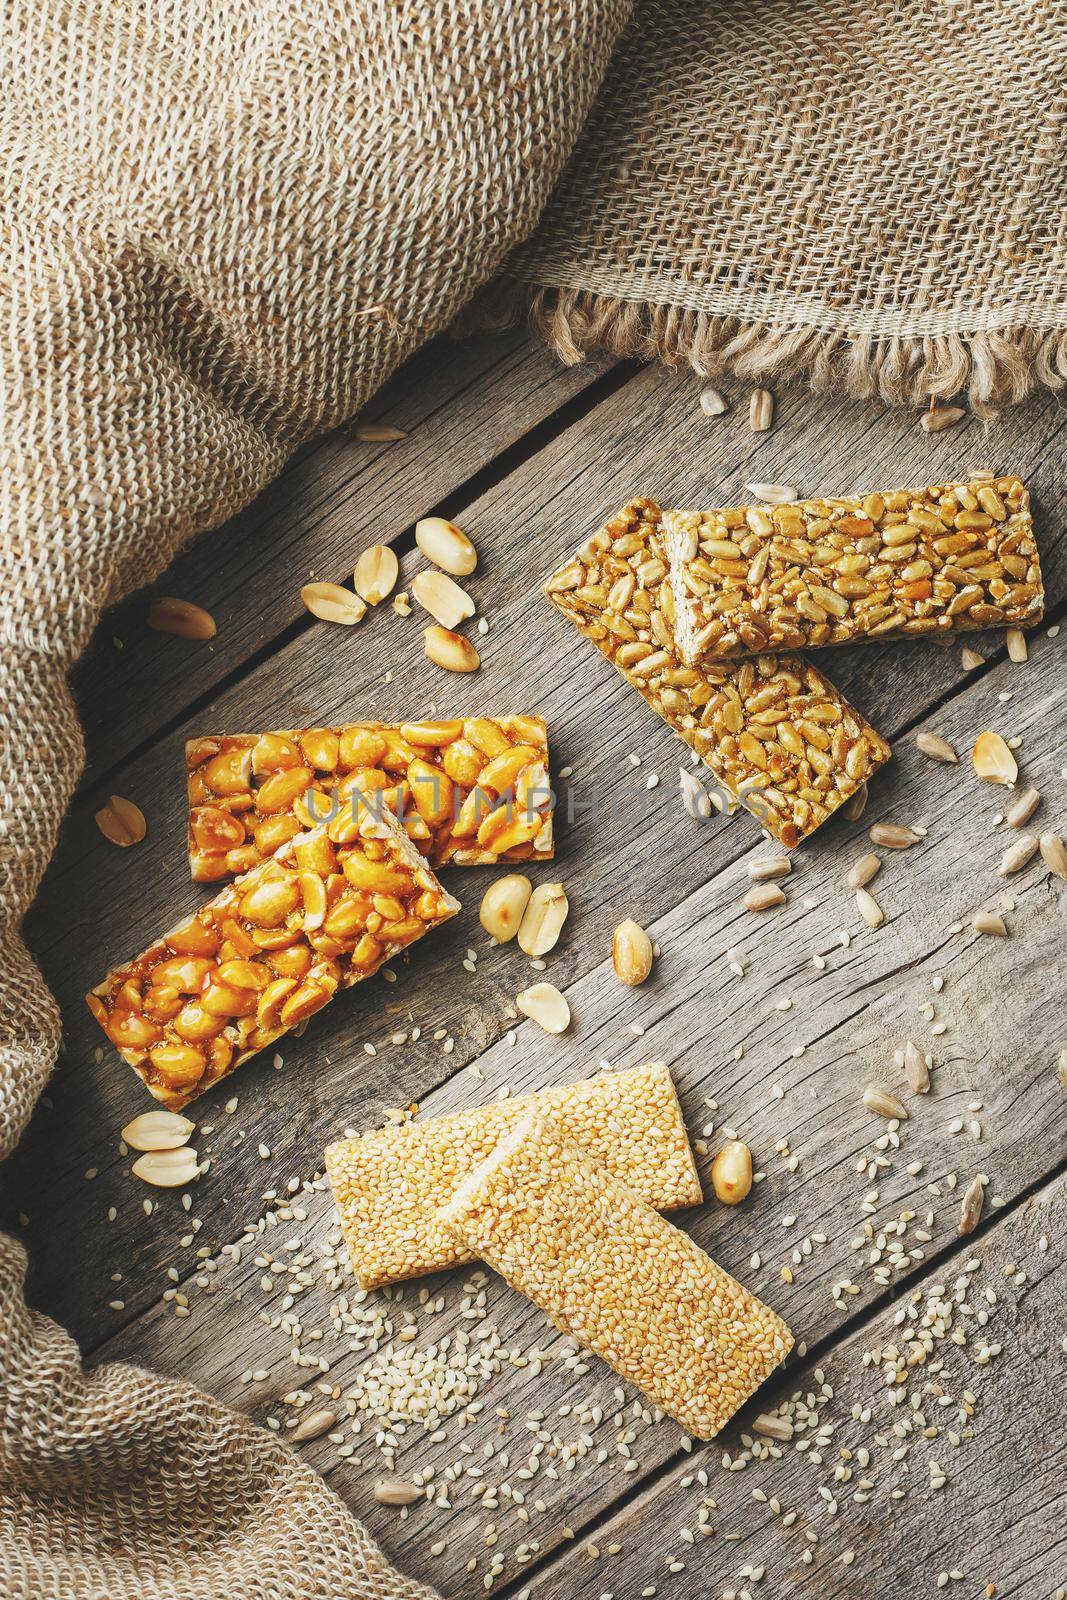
{"x": 988, "y": 370}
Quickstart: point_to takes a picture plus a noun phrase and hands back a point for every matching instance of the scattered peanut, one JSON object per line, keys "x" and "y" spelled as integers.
{"x": 543, "y": 919}
{"x": 503, "y": 905}
{"x": 731, "y": 1172}
{"x": 181, "y": 617}
{"x": 446, "y": 602}
{"x": 376, "y": 573}
{"x": 121, "y": 822}
{"x": 993, "y": 760}
{"x": 331, "y": 603}
{"x": 450, "y": 650}
{"x": 544, "y": 1004}
{"x": 631, "y": 953}
{"x": 157, "y": 1130}
{"x": 446, "y": 546}
{"x": 167, "y": 1169}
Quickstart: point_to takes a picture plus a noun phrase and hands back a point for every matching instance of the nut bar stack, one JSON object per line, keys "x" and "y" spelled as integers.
{"x": 902, "y": 565}
{"x": 612, "y": 1273}
{"x": 267, "y": 952}
{"x": 388, "y": 1184}
{"x": 773, "y": 730}
{"x": 472, "y": 792}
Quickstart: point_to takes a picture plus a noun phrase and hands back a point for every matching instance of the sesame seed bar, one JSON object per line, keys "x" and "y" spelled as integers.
{"x": 267, "y": 952}
{"x": 472, "y": 791}
{"x": 388, "y": 1184}
{"x": 612, "y": 1273}
{"x": 898, "y": 565}
{"x": 773, "y": 730}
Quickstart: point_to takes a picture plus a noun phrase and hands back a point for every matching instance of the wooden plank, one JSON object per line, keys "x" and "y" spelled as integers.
{"x": 99, "y": 905}
{"x": 995, "y": 1066}
{"x": 461, "y": 403}
{"x": 997, "y": 1522}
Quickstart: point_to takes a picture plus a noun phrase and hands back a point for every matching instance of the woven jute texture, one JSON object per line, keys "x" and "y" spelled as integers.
{"x": 869, "y": 193}
{"x": 222, "y": 224}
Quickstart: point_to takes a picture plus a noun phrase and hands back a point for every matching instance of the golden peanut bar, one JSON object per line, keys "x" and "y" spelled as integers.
{"x": 267, "y": 952}
{"x": 612, "y": 1273}
{"x": 773, "y": 730}
{"x": 896, "y": 565}
{"x": 388, "y": 1184}
{"x": 473, "y": 791}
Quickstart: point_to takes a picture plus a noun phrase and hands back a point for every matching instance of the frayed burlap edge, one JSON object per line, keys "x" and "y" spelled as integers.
{"x": 988, "y": 370}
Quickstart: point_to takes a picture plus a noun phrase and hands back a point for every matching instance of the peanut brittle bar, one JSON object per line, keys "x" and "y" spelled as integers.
{"x": 612, "y": 1273}
{"x": 388, "y": 1184}
{"x": 774, "y": 731}
{"x": 899, "y": 565}
{"x": 472, "y": 791}
{"x": 267, "y": 952}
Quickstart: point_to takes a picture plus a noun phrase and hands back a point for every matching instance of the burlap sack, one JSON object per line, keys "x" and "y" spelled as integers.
{"x": 223, "y": 223}
{"x": 866, "y": 193}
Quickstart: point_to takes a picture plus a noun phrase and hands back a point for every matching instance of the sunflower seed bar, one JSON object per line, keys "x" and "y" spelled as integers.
{"x": 388, "y": 1184}
{"x": 471, "y": 792}
{"x": 612, "y": 1273}
{"x": 775, "y": 732}
{"x": 267, "y": 952}
{"x": 820, "y": 572}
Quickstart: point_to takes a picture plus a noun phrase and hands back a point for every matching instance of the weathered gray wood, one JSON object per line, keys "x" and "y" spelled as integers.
{"x": 1001, "y": 1000}
{"x": 461, "y": 403}
{"x": 637, "y": 856}
{"x": 99, "y": 905}
{"x": 999, "y": 1519}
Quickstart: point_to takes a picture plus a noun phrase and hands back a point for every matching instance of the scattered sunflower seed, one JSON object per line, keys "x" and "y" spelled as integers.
{"x": 971, "y": 1207}
{"x": 938, "y": 418}
{"x": 396, "y": 1492}
{"x": 1016, "y": 645}
{"x": 772, "y": 494}
{"x": 916, "y": 1072}
{"x": 764, "y": 868}
{"x": 988, "y": 922}
{"x": 932, "y": 745}
{"x": 313, "y": 1425}
{"x": 1017, "y": 855}
{"x": 1054, "y": 854}
{"x": 762, "y": 896}
{"x": 863, "y": 870}
{"x": 869, "y": 909}
{"x": 884, "y": 1104}
{"x": 760, "y": 410}
{"x": 1022, "y": 808}
{"x": 893, "y": 836}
